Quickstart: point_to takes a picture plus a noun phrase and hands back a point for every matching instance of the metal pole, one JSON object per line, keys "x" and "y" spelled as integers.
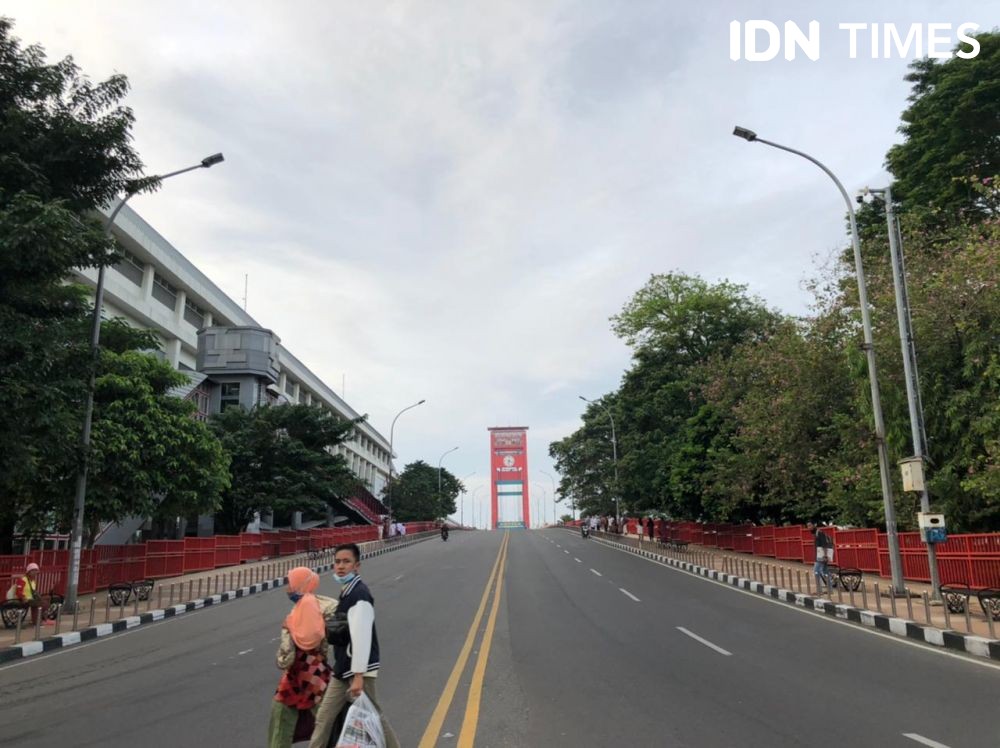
{"x": 907, "y": 343}
{"x": 439, "y": 471}
{"x": 392, "y": 431}
{"x": 79, "y": 501}
{"x": 895, "y": 559}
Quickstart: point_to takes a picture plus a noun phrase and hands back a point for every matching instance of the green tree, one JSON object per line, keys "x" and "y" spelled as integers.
{"x": 415, "y": 496}
{"x": 281, "y": 461}
{"x": 65, "y": 150}
{"x": 951, "y": 148}
{"x": 149, "y": 456}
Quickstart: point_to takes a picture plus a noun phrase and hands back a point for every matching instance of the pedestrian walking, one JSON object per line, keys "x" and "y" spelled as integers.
{"x": 824, "y": 556}
{"x": 302, "y": 654}
{"x": 355, "y": 664}
{"x": 651, "y": 528}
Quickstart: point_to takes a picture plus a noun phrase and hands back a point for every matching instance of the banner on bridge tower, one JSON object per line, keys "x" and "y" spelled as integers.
{"x": 509, "y": 477}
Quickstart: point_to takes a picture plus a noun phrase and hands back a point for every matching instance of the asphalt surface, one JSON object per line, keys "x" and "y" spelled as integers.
{"x": 606, "y": 650}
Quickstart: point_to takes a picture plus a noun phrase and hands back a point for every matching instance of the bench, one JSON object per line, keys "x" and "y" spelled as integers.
{"x": 847, "y": 577}
{"x": 956, "y": 597}
{"x": 11, "y": 611}
{"x": 121, "y": 592}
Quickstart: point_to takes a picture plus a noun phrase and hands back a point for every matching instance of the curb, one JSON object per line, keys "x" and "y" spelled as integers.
{"x": 59, "y": 641}
{"x": 971, "y": 644}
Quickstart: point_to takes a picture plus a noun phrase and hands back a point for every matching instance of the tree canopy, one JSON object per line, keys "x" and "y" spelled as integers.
{"x": 415, "y": 496}
{"x": 281, "y": 461}
{"x": 949, "y": 160}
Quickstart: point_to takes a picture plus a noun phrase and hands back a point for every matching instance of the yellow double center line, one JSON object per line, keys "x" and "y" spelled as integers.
{"x": 467, "y": 736}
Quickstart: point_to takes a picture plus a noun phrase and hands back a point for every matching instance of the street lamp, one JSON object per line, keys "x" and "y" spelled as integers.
{"x": 545, "y": 498}
{"x": 392, "y": 430}
{"x": 915, "y": 407}
{"x": 549, "y": 476}
{"x": 439, "y": 470}
{"x": 76, "y": 533}
{"x": 476, "y": 506}
{"x": 895, "y": 560}
{"x": 461, "y": 515}
{"x": 614, "y": 452}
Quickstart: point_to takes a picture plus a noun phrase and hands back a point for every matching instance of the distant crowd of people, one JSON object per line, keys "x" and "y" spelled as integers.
{"x": 644, "y": 525}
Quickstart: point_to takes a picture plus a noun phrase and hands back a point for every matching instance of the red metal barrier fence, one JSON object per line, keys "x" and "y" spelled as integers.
{"x": 972, "y": 559}
{"x": 105, "y": 565}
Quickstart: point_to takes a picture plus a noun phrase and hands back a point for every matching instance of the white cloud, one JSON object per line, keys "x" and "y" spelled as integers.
{"x": 448, "y": 200}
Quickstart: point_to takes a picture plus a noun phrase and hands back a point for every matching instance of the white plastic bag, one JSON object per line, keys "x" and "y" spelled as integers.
{"x": 362, "y": 726}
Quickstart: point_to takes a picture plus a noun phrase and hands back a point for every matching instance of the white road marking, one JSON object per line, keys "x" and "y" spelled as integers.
{"x": 597, "y": 572}
{"x": 629, "y": 594}
{"x": 565, "y": 551}
{"x": 924, "y": 741}
{"x": 577, "y": 560}
{"x": 558, "y": 546}
{"x": 706, "y": 642}
{"x": 808, "y": 612}
{"x": 398, "y": 578}
{"x": 245, "y": 651}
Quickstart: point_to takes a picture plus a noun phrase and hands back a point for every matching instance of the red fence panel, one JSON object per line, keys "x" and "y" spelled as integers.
{"x": 301, "y": 541}
{"x": 270, "y": 544}
{"x": 135, "y": 562}
{"x": 251, "y": 548}
{"x": 164, "y": 558}
{"x": 289, "y": 542}
{"x": 743, "y": 539}
{"x": 199, "y": 554}
{"x": 228, "y": 550}
{"x": 763, "y": 540}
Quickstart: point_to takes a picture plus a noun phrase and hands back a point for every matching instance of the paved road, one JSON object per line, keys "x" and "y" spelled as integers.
{"x": 588, "y": 646}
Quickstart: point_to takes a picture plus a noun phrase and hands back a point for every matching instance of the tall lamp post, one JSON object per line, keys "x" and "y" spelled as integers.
{"x": 392, "y": 432}
{"x": 76, "y": 533}
{"x": 545, "y": 498}
{"x": 895, "y": 560}
{"x": 476, "y": 508}
{"x": 917, "y": 430}
{"x": 614, "y": 453}
{"x": 461, "y": 514}
{"x": 439, "y": 470}
{"x": 549, "y": 476}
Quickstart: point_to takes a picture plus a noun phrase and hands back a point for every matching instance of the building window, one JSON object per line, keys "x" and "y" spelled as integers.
{"x": 289, "y": 386}
{"x": 163, "y": 292}
{"x": 229, "y": 395}
{"x": 199, "y": 396}
{"x": 194, "y": 314}
{"x": 131, "y": 267}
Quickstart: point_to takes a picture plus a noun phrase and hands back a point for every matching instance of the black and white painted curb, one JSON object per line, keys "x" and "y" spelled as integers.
{"x": 27, "y": 649}
{"x": 953, "y": 640}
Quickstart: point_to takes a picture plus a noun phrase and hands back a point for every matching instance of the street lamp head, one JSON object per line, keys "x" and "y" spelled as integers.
{"x": 584, "y": 399}
{"x": 421, "y": 402}
{"x": 209, "y": 161}
{"x": 742, "y": 132}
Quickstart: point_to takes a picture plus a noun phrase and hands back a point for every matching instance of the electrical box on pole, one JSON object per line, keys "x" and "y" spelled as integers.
{"x": 932, "y": 527}
{"x": 913, "y": 473}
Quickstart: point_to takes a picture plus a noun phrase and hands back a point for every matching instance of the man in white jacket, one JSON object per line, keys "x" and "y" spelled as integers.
{"x": 355, "y": 665}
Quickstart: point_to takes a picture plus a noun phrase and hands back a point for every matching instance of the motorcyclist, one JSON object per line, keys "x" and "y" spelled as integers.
{"x": 444, "y": 531}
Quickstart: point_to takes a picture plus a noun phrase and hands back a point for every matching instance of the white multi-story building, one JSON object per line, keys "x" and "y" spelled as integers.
{"x": 229, "y": 358}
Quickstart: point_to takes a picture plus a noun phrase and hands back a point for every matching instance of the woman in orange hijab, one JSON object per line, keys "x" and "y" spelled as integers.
{"x": 303, "y": 656}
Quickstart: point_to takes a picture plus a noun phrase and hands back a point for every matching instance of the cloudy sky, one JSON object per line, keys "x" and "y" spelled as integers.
{"x": 448, "y": 200}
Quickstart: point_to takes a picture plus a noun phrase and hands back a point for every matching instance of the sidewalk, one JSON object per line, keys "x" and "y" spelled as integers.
{"x": 98, "y": 609}
{"x": 873, "y": 594}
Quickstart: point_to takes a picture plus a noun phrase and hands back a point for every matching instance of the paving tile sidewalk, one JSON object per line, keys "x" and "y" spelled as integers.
{"x": 798, "y": 577}
{"x": 97, "y": 608}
